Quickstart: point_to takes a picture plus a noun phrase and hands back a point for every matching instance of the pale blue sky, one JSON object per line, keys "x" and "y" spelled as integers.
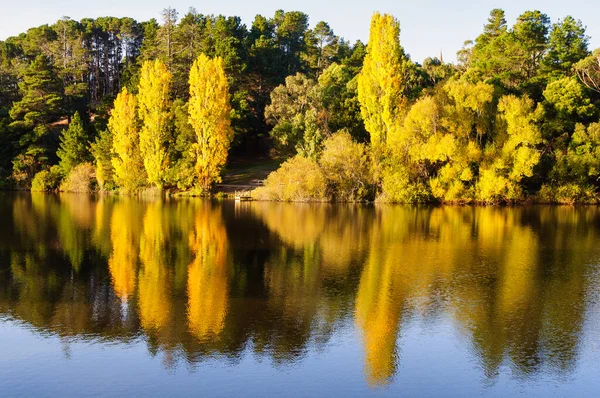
{"x": 428, "y": 26}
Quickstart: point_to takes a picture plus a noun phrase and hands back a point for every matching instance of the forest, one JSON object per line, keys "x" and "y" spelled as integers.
{"x": 117, "y": 105}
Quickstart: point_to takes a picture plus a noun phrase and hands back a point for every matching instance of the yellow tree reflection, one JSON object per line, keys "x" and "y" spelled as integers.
{"x": 208, "y": 274}
{"x": 154, "y": 279}
{"x": 379, "y": 304}
{"x": 124, "y": 256}
{"x": 378, "y": 315}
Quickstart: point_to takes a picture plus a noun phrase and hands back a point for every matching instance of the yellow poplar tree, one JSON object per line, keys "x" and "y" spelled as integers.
{"x": 127, "y": 162}
{"x": 209, "y": 115}
{"x": 154, "y": 112}
{"x": 381, "y": 80}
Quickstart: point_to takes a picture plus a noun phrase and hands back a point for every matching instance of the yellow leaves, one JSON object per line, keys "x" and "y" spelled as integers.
{"x": 381, "y": 80}
{"x": 501, "y": 180}
{"x": 127, "y": 162}
{"x": 525, "y": 159}
{"x": 207, "y": 284}
{"x": 298, "y": 179}
{"x": 345, "y": 165}
{"x": 398, "y": 186}
{"x": 453, "y": 183}
{"x": 209, "y": 115}
{"x": 439, "y": 147}
{"x": 473, "y": 152}
{"x": 490, "y": 186}
{"x": 469, "y": 95}
{"x": 469, "y": 108}
{"x": 421, "y": 121}
{"x": 519, "y": 116}
{"x": 154, "y": 293}
{"x": 466, "y": 175}
{"x": 123, "y": 259}
{"x": 154, "y": 112}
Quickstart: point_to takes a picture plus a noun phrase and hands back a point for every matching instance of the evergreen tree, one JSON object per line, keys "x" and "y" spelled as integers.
{"x": 41, "y": 101}
{"x": 101, "y": 149}
{"x": 567, "y": 44}
{"x": 73, "y": 148}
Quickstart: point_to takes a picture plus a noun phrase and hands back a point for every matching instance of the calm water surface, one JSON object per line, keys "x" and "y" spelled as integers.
{"x": 113, "y": 297}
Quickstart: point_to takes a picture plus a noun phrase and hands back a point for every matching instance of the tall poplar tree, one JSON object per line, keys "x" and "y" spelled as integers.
{"x": 381, "y": 82}
{"x": 127, "y": 162}
{"x": 209, "y": 115}
{"x": 154, "y": 113}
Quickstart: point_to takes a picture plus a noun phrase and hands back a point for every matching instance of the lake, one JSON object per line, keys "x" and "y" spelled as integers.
{"x": 119, "y": 296}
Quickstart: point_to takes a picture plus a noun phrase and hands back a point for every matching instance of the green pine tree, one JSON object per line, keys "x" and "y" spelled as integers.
{"x": 41, "y": 100}
{"x": 73, "y": 148}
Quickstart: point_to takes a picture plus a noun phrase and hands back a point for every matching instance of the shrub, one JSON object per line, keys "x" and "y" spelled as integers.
{"x": 299, "y": 179}
{"x": 46, "y": 180}
{"x": 567, "y": 194}
{"x": 345, "y": 165}
{"x": 80, "y": 179}
{"x": 397, "y": 186}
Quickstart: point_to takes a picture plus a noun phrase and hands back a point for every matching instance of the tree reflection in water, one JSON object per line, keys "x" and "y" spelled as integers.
{"x": 199, "y": 279}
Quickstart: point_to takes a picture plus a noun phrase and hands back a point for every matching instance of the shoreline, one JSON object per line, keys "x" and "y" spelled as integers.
{"x": 230, "y": 196}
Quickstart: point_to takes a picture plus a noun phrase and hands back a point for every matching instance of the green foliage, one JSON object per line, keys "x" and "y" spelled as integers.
{"x": 47, "y": 180}
{"x": 580, "y": 163}
{"x": 27, "y": 164}
{"x": 436, "y": 70}
{"x": 41, "y": 101}
{"x": 183, "y": 160}
{"x": 567, "y": 44}
{"x": 101, "y": 150}
{"x": 323, "y": 47}
{"x": 339, "y": 88}
{"x": 296, "y": 113}
{"x": 568, "y": 97}
{"x": 73, "y": 148}
{"x": 299, "y": 179}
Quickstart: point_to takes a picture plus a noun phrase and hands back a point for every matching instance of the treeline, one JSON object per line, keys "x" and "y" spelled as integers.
{"x": 515, "y": 119}
{"x": 52, "y": 72}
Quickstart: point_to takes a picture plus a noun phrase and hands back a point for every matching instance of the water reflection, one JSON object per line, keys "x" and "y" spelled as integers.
{"x": 208, "y": 285}
{"x": 197, "y": 279}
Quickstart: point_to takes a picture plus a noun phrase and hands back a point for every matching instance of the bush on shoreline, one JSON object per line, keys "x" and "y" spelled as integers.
{"x": 81, "y": 179}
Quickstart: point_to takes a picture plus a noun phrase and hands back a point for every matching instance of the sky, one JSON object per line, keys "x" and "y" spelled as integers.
{"x": 428, "y": 27}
